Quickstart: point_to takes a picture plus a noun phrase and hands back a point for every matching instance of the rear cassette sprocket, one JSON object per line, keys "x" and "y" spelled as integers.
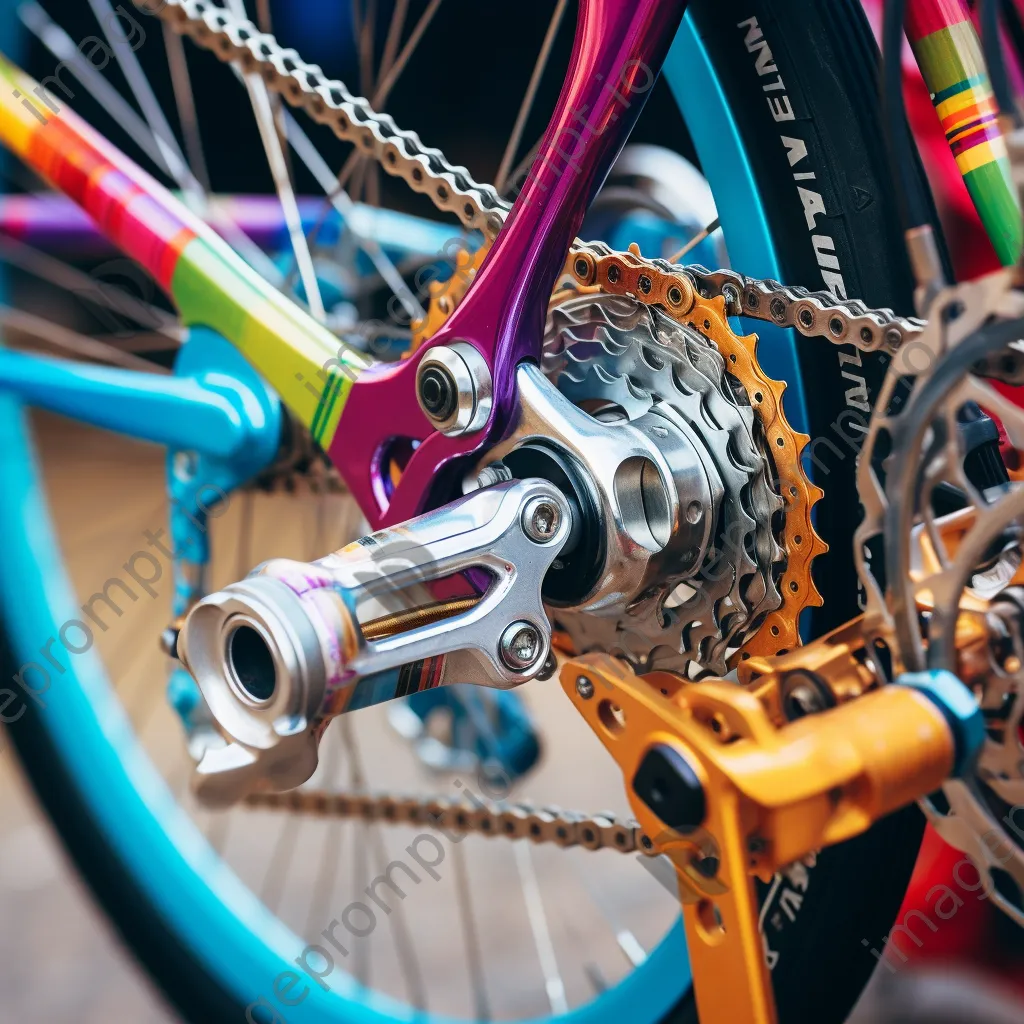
{"x": 614, "y": 350}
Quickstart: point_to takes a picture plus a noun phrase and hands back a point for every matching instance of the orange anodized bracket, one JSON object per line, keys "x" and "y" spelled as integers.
{"x": 729, "y": 795}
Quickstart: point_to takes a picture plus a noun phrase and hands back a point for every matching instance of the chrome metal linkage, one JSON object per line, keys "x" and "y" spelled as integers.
{"x": 452, "y": 596}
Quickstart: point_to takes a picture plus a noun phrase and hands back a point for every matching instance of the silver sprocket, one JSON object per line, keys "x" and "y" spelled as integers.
{"x": 618, "y": 351}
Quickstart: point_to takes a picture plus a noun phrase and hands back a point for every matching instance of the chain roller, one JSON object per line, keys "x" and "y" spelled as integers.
{"x": 601, "y": 831}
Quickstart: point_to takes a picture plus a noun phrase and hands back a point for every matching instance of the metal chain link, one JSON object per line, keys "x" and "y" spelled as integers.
{"x": 601, "y": 831}
{"x": 813, "y": 314}
{"x": 351, "y": 118}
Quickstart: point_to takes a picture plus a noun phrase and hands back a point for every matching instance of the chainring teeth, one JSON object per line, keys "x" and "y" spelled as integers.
{"x": 444, "y": 296}
{"x": 802, "y": 544}
{"x": 633, "y": 294}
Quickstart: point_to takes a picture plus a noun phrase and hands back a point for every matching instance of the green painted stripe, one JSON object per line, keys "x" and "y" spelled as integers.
{"x": 992, "y": 192}
{"x": 326, "y": 402}
{"x": 325, "y": 428}
{"x": 330, "y": 424}
{"x": 208, "y": 291}
{"x": 953, "y": 90}
{"x": 950, "y": 56}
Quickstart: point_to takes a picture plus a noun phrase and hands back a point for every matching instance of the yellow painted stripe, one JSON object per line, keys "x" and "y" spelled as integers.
{"x": 957, "y": 101}
{"x": 987, "y": 113}
{"x": 984, "y": 153}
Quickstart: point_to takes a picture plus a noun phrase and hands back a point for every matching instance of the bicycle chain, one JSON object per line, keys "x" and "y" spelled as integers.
{"x": 328, "y": 101}
{"x": 602, "y": 831}
{"x": 452, "y": 189}
{"x": 813, "y": 314}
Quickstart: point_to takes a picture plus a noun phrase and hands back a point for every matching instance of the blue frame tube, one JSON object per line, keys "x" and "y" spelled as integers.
{"x": 215, "y": 417}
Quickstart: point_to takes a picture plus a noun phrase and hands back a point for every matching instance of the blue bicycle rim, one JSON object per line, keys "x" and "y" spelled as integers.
{"x": 222, "y": 924}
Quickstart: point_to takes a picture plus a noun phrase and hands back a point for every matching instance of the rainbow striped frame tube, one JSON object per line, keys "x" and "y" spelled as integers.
{"x": 209, "y": 283}
{"x": 949, "y": 55}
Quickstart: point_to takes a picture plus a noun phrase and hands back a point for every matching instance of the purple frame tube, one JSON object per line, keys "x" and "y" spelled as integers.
{"x": 618, "y": 51}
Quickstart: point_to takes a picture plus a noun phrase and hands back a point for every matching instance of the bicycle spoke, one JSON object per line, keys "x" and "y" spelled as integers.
{"x": 394, "y": 37}
{"x": 63, "y": 47}
{"x": 360, "y": 862}
{"x": 405, "y": 947}
{"x": 477, "y": 979}
{"x": 591, "y": 969}
{"x": 259, "y": 97}
{"x": 358, "y": 163}
{"x": 367, "y": 20}
{"x": 339, "y": 198}
{"x": 597, "y": 980}
{"x": 522, "y": 167}
{"x": 383, "y": 90}
{"x": 627, "y": 942}
{"x": 327, "y": 873}
{"x": 272, "y": 887}
{"x": 87, "y": 287}
{"x": 185, "y": 100}
{"x": 553, "y": 984}
{"x": 531, "y": 92}
{"x": 146, "y": 99}
{"x": 263, "y": 16}
{"x": 71, "y": 342}
{"x": 139, "y": 344}
{"x": 265, "y": 23}
{"x": 631, "y": 946}
{"x": 695, "y": 241}
{"x": 371, "y": 169}
{"x": 367, "y": 26}
{"x": 408, "y": 961}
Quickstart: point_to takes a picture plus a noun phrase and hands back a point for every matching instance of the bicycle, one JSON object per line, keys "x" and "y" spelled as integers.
{"x": 684, "y": 544}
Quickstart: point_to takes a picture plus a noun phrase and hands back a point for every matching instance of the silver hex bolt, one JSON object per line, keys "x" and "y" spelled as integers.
{"x": 584, "y": 687}
{"x": 520, "y": 645}
{"x": 541, "y": 519}
{"x": 493, "y": 473}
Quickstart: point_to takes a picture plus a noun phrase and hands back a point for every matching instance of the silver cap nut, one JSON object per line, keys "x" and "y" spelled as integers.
{"x": 521, "y": 645}
{"x": 541, "y": 520}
